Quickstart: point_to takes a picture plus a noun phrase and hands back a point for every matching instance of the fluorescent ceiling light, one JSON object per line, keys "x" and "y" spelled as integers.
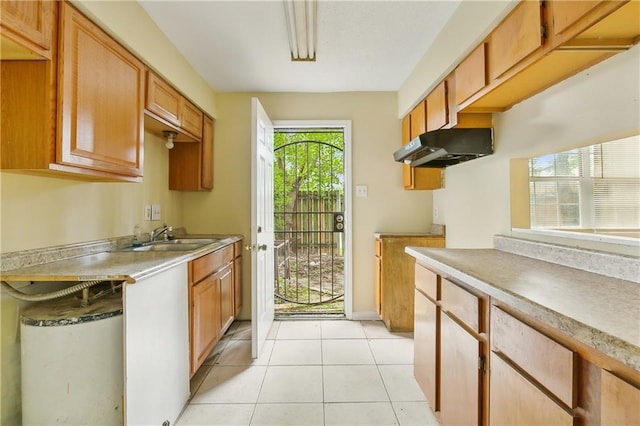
{"x": 301, "y": 27}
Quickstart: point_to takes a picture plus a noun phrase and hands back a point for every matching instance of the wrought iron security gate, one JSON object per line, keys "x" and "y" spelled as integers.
{"x": 309, "y": 221}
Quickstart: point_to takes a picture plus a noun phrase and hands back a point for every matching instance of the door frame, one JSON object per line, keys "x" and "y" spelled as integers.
{"x": 345, "y": 125}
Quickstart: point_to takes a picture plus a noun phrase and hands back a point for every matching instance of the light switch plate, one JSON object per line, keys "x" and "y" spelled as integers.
{"x": 361, "y": 190}
{"x": 155, "y": 212}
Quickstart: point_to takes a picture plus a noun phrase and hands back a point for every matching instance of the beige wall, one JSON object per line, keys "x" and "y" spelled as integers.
{"x": 597, "y": 105}
{"x": 375, "y": 135}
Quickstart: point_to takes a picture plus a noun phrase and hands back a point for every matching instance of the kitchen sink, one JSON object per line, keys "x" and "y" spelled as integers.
{"x": 167, "y": 247}
{"x": 179, "y": 244}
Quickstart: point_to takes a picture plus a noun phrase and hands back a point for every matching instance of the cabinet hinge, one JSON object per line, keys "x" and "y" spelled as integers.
{"x": 482, "y": 363}
{"x": 543, "y": 32}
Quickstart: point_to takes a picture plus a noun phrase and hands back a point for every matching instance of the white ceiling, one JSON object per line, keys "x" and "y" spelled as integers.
{"x": 242, "y": 46}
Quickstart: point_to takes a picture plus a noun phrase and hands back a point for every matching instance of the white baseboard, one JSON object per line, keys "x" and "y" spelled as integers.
{"x": 365, "y": 316}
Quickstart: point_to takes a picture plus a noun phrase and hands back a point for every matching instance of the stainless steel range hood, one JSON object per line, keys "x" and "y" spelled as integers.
{"x": 446, "y": 147}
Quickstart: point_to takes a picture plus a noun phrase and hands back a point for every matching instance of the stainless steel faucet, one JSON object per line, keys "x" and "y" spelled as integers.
{"x": 162, "y": 230}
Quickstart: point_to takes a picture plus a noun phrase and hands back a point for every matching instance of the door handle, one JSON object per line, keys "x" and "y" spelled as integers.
{"x": 262, "y": 247}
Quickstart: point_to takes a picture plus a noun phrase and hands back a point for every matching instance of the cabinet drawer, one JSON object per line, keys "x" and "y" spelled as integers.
{"x": 427, "y": 282}
{"x": 620, "y": 401}
{"x": 515, "y": 401}
{"x": 459, "y": 302}
{"x": 207, "y": 264}
{"x": 548, "y": 362}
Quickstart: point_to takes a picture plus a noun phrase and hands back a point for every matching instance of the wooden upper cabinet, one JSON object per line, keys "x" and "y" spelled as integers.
{"x": 101, "y": 98}
{"x": 162, "y": 99}
{"x": 518, "y": 36}
{"x": 191, "y": 118}
{"x": 413, "y": 125}
{"x": 565, "y": 13}
{"x": 437, "y": 107}
{"x": 418, "y": 120}
{"x": 471, "y": 74}
{"x": 79, "y": 114}
{"x": 191, "y": 164}
{"x": 169, "y": 110}
{"x": 27, "y": 28}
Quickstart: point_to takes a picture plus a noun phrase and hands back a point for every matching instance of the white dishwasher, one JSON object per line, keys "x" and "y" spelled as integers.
{"x": 72, "y": 362}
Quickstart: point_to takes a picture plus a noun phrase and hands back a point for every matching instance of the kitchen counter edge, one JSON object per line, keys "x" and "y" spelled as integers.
{"x": 584, "y": 330}
{"x": 112, "y": 265}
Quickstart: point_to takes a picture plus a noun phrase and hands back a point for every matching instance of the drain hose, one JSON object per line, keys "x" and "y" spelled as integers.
{"x": 48, "y": 296}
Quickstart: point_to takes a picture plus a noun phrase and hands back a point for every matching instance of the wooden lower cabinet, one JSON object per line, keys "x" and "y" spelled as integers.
{"x": 394, "y": 278}
{"x": 460, "y": 375}
{"x": 212, "y": 301}
{"x": 516, "y": 401}
{"x": 227, "y": 302}
{"x": 426, "y": 337}
{"x": 620, "y": 401}
{"x": 479, "y": 361}
{"x": 205, "y": 319}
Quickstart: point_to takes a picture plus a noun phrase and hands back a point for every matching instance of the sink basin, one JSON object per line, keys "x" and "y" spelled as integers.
{"x": 179, "y": 244}
{"x": 168, "y": 247}
{"x": 200, "y": 241}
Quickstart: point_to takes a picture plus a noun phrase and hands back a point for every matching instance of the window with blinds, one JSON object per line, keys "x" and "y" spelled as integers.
{"x": 595, "y": 187}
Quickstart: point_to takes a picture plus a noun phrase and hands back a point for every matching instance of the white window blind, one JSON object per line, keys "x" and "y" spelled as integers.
{"x": 597, "y": 187}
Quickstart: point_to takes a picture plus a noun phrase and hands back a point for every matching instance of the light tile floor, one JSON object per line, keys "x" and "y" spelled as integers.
{"x": 320, "y": 372}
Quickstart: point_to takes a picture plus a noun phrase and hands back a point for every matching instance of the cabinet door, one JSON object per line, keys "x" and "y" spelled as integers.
{"x": 515, "y": 401}
{"x": 459, "y": 375}
{"x": 227, "y": 304}
{"x": 101, "y": 96}
{"x": 620, "y": 401}
{"x": 205, "y": 319}
{"x": 426, "y": 347}
{"x": 237, "y": 283}
{"x": 565, "y": 13}
{"x": 471, "y": 76}
{"x": 28, "y": 25}
{"x": 191, "y": 118}
{"x": 437, "y": 107}
{"x": 519, "y": 35}
{"x": 162, "y": 99}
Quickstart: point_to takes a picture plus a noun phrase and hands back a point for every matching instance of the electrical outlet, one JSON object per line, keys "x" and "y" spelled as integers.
{"x": 147, "y": 212}
{"x": 435, "y": 213}
{"x": 361, "y": 190}
{"x": 155, "y": 212}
